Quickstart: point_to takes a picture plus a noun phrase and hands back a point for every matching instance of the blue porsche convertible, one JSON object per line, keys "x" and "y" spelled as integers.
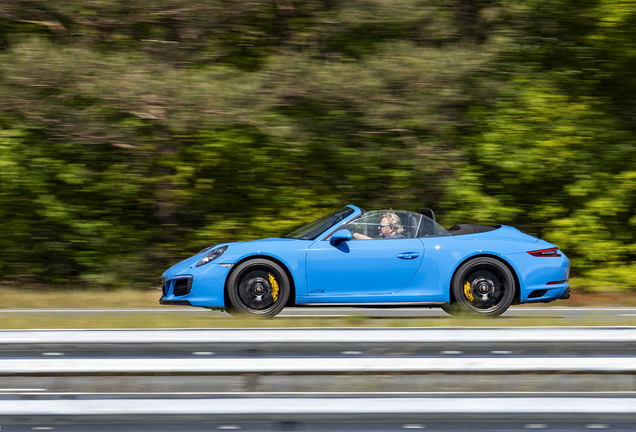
{"x": 385, "y": 258}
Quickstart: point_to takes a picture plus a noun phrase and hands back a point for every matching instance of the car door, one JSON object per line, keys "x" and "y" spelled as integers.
{"x": 362, "y": 267}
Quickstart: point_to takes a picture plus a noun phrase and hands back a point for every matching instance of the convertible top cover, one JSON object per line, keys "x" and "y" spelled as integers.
{"x": 471, "y": 229}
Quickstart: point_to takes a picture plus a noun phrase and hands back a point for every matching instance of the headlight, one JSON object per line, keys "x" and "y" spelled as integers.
{"x": 206, "y": 249}
{"x": 214, "y": 254}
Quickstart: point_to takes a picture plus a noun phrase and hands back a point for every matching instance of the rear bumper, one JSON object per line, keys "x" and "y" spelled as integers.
{"x": 566, "y": 295}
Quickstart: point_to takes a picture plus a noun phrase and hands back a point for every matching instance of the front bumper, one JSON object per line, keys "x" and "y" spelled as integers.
{"x": 164, "y": 301}
{"x": 201, "y": 286}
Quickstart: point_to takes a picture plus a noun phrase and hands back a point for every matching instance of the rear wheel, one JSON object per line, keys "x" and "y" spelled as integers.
{"x": 257, "y": 287}
{"x": 484, "y": 286}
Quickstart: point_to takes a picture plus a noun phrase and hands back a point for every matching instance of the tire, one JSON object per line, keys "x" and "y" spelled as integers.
{"x": 451, "y": 309}
{"x": 232, "y": 311}
{"x": 455, "y": 310}
{"x": 251, "y": 288}
{"x": 483, "y": 286}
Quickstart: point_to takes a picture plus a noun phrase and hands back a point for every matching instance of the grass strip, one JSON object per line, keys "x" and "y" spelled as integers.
{"x": 217, "y": 320}
{"x": 49, "y": 298}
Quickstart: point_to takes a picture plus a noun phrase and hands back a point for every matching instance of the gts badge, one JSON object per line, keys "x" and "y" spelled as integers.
{"x": 317, "y": 291}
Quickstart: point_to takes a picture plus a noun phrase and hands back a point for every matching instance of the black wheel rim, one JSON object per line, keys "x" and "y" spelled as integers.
{"x": 484, "y": 288}
{"x": 258, "y": 289}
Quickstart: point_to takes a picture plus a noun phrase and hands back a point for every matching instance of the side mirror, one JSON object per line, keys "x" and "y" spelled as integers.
{"x": 340, "y": 236}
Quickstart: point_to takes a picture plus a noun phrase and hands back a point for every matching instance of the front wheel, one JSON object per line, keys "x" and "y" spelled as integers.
{"x": 257, "y": 287}
{"x": 484, "y": 286}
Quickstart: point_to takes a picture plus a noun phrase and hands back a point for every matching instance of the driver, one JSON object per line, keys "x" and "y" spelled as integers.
{"x": 390, "y": 228}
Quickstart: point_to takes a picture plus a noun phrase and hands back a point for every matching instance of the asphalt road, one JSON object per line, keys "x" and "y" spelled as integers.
{"x": 355, "y": 426}
{"x": 570, "y": 425}
{"x": 528, "y": 342}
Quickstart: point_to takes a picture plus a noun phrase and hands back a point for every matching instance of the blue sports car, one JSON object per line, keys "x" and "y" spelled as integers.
{"x": 384, "y": 258}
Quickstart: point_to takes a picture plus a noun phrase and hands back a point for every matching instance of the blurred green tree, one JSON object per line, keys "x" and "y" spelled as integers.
{"x": 133, "y": 134}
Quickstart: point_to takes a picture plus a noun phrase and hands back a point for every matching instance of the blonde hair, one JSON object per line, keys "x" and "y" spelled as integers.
{"x": 394, "y": 221}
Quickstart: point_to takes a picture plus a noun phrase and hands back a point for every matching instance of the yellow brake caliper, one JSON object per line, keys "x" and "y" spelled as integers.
{"x": 467, "y": 291}
{"x": 274, "y": 284}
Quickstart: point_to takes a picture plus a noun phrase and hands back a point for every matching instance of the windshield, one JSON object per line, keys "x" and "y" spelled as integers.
{"x": 313, "y": 230}
{"x": 394, "y": 224}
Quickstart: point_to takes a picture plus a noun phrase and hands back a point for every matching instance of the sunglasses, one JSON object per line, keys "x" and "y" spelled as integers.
{"x": 384, "y": 226}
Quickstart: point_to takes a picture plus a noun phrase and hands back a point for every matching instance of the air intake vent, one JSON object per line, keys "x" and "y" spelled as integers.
{"x": 182, "y": 286}
{"x": 537, "y": 293}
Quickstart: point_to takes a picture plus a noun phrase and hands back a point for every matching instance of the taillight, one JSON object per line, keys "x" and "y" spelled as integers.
{"x": 552, "y": 252}
{"x": 556, "y": 282}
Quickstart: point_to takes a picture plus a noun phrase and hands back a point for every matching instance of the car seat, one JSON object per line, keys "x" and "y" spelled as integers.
{"x": 427, "y": 227}
{"x": 410, "y": 229}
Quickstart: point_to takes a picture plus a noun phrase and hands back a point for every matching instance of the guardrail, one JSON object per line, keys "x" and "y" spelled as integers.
{"x": 318, "y": 366}
{"x": 353, "y": 367}
{"x": 332, "y": 336}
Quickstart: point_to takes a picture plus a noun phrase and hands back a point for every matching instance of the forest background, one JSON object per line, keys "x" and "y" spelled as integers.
{"x": 135, "y": 133}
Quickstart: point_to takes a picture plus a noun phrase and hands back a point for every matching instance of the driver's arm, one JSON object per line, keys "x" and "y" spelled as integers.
{"x": 358, "y": 236}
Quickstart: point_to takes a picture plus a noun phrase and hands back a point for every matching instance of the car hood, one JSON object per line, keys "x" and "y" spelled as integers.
{"x": 234, "y": 249}
{"x": 182, "y": 267}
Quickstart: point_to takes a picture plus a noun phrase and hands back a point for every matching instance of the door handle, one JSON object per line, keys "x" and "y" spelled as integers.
{"x": 408, "y": 255}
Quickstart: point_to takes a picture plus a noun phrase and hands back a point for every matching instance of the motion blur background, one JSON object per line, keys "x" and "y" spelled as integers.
{"x": 134, "y": 133}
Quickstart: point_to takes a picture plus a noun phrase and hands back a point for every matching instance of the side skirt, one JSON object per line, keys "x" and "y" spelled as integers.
{"x": 376, "y": 305}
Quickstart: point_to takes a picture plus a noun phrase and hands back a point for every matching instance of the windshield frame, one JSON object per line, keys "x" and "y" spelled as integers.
{"x": 314, "y": 229}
